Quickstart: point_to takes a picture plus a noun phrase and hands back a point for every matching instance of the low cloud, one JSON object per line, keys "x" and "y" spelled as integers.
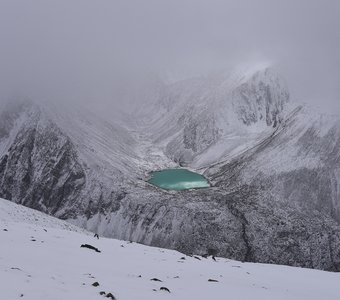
{"x": 91, "y": 50}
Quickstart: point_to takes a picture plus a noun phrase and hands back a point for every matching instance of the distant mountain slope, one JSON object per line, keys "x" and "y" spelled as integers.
{"x": 274, "y": 167}
{"x": 61, "y": 160}
{"x": 201, "y": 120}
{"x": 41, "y": 258}
{"x": 299, "y": 163}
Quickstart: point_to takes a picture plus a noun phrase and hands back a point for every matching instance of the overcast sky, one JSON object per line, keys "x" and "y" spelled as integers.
{"x": 79, "y": 48}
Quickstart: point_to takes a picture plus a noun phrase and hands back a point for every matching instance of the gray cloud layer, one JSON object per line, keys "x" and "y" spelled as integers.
{"x": 85, "y": 48}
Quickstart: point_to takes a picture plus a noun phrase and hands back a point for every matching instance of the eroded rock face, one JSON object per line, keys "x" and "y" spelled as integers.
{"x": 262, "y": 98}
{"x": 274, "y": 200}
{"x": 40, "y": 168}
{"x": 205, "y": 112}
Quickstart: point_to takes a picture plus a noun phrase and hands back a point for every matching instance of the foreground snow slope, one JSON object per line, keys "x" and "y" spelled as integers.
{"x": 41, "y": 258}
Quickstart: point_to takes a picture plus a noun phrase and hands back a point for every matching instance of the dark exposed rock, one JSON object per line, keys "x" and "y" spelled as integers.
{"x": 163, "y": 288}
{"x": 90, "y": 247}
{"x": 109, "y": 295}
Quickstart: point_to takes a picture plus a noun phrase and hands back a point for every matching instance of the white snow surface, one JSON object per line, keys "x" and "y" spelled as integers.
{"x": 41, "y": 258}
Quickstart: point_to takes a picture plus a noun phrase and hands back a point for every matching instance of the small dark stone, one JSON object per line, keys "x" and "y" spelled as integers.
{"x": 156, "y": 279}
{"x": 212, "y": 280}
{"x": 139, "y": 276}
{"x": 163, "y": 288}
{"x": 183, "y": 258}
{"x": 90, "y": 247}
{"x": 5, "y": 229}
{"x": 95, "y": 284}
{"x": 45, "y": 230}
{"x": 214, "y": 258}
{"x": 197, "y": 257}
{"x": 102, "y": 293}
{"x": 109, "y": 295}
{"x": 33, "y": 240}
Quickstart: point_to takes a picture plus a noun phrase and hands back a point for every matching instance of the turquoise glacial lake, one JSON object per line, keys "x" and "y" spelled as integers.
{"x": 178, "y": 179}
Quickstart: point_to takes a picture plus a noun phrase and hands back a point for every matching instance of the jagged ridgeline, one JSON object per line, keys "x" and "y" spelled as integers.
{"x": 273, "y": 165}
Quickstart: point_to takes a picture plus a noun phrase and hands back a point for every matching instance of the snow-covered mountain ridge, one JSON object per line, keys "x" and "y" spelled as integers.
{"x": 41, "y": 258}
{"x": 200, "y": 120}
{"x": 273, "y": 164}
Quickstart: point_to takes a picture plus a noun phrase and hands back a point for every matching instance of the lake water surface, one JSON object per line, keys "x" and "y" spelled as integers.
{"x": 178, "y": 179}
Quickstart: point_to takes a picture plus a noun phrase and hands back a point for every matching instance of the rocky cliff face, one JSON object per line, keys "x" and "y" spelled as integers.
{"x": 206, "y": 112}
{"x": 274, "y": 169}
{"x": 262, "y": 98}
{"x": 40, "y": 168}
{"x": 45, "y": 166}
